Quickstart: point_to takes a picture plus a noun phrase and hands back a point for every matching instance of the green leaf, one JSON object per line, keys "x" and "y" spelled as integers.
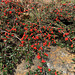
{"x": 5, "y": 73}
{"x": 73, "y": 62}
{"x": 31, "y": 72}
{"x": 4, "y": 54}
{"x": 27, "y": 73}
{"x": 73, "y": 37}
{"x": 10, "y": 71}
{"x": 27, "y": 66}
{"x": 0, "y": 66}
{"x": 26, "y": 59}
{"x": 0, "y": 57}
{"x": 5, "y": 68}
{"x": 16, "y": 60}
{"x": 67, "y": 45}
{"x": 73, "y": 59}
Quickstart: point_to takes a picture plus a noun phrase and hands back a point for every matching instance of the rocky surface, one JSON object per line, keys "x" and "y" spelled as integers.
{"x": 59, "y": 59}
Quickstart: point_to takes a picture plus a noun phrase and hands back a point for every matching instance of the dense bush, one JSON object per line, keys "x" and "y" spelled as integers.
{"x": 26, "y": 31}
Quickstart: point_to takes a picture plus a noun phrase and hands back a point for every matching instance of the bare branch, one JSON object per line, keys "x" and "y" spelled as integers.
{"x": 12, "y": 33}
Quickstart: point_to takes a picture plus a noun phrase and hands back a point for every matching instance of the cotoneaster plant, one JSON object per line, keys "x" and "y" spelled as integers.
{"x": 29, "y": 36}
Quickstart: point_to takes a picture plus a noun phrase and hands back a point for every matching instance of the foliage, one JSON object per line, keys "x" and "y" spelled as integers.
{"x": 26, "y": 31}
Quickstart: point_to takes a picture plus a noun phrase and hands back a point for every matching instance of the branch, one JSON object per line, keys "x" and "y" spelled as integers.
{"x": 12, "y": 33}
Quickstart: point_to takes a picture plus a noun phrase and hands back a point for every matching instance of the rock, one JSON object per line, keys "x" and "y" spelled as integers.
{"x": 61, "y": 60}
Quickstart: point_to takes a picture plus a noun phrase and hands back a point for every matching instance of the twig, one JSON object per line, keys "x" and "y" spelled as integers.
{"x": 12, "y": 33}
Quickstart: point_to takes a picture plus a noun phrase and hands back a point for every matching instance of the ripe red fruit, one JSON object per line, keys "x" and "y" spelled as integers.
{"x": 12, "y": 35}
{"x": 46, "y": 54}
{"x": 22, "y": 42}
{"x": 71, "y": 45}
{"x": 49, "y": 69}
{"x": 64, "y": 4}
{"x": 32, "y": 46}
{"x": 63, "y": 35}
{"x": 40, "y": 70}
{"x": 32, "y": 7}
{"x": 74, "y": 39}
{"x": 35, "y": 48}
{"x": 66, "y": 39}
{"x": 10, "y": 12}
{"x": 41, "y": 48}
{"x": 43, "y": 61}
{"x": 39, "y": 67}
{"x": 55, "y": 73}
{"x": 37, "y": 37}
{"x": 38, "y": 57}
{"x": 31, "y": 30}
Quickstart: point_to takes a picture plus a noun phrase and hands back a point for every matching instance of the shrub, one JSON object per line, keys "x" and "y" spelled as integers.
{"x": 21, "y": 36}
